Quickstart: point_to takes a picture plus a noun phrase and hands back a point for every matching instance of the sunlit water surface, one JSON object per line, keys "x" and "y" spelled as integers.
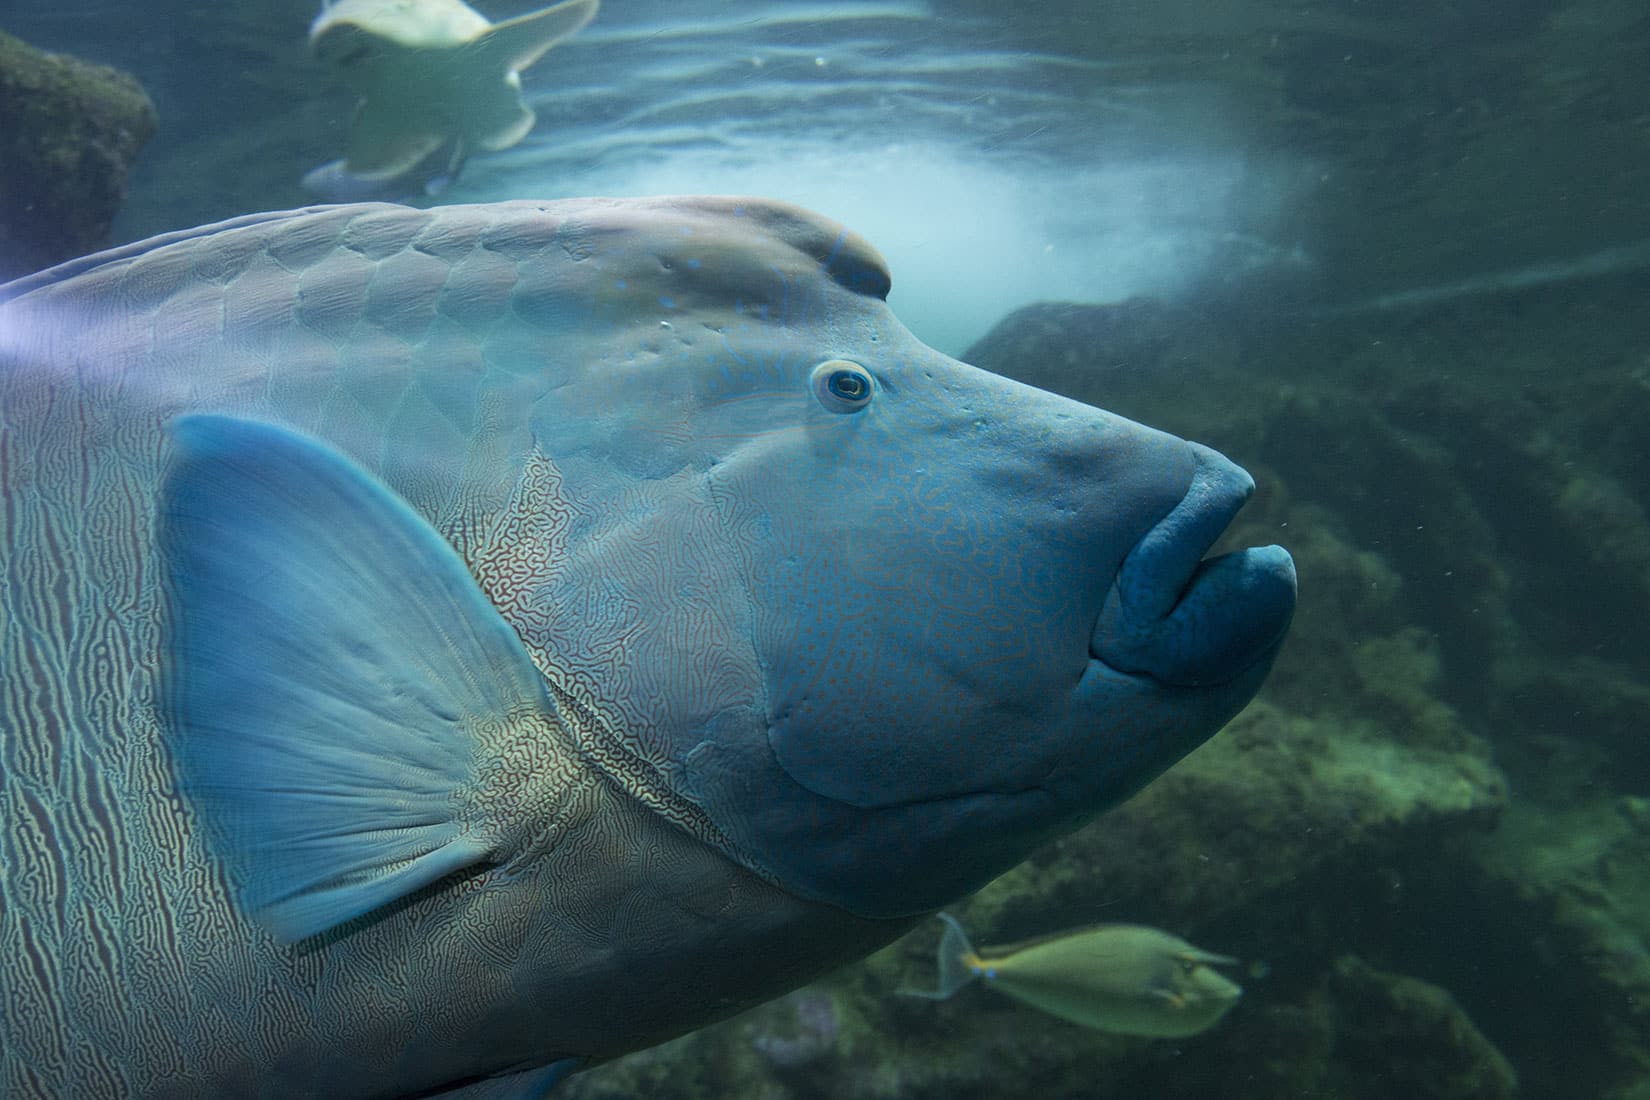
{"x": 989, "y": 176}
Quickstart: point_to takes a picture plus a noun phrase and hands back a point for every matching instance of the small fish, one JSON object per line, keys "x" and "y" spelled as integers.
{"x": 434, "y": 76}
{"x": 1125, "y": 978}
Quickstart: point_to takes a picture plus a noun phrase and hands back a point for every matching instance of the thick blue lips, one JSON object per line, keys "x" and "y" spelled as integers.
{"x": 1189, "y": 621}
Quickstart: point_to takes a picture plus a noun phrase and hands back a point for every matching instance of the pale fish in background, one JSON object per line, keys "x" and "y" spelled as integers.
{"x": 437, "y": 82}
{"x": 1124, "y": 978}
{"x": 433, "y": 643}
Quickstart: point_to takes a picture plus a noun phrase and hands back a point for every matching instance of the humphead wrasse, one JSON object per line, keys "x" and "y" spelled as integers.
{"x": 1125, "y": 978}
{"x": 434, "y": 642}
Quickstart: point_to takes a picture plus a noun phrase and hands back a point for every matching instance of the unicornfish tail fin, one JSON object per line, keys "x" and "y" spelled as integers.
{"x": 956, "y": 968}
{"x": 516, "y": 43}
{"x": 330, "y": 675}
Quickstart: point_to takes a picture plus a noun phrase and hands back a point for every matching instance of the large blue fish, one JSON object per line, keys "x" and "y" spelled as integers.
{"x": 439, "y": 649}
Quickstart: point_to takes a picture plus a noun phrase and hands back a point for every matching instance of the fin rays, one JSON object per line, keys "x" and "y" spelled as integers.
{"x": 328, "y": 663}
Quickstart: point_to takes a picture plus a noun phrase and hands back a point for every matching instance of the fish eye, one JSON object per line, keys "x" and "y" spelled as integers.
{"x": 842, "y": 386}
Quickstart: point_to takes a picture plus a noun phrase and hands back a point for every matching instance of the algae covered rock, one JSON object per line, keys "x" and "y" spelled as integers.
{"x": 1271, "y": 800}
{"x": 1559, "y": 900}
{"x": 69, "y": 131}
{"x": 1445, "y": 1056}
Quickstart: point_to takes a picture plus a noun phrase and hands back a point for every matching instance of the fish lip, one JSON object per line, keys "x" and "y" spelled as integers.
{"x": 1182, "y": 619}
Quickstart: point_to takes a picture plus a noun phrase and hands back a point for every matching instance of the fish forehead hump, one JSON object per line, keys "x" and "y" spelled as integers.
{"x": 452, "y": 301}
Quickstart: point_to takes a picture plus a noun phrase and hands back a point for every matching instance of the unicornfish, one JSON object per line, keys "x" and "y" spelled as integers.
{"x": 1125, "y": 978}
{"x": 436, "y": 82}
{"x": 434, "y": 642}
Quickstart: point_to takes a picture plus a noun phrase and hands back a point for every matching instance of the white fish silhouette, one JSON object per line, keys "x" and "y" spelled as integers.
{"x": 433, "y": 75}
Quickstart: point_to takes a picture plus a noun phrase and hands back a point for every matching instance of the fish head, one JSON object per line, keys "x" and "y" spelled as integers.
{"x": 1193, "y": 995}
{"x": 896, "y": 620}
{"x": 354, "y": 35}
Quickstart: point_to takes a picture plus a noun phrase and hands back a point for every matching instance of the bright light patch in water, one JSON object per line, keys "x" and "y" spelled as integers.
{"x": 989, "y": 178}
{"x": 968, "y": 239}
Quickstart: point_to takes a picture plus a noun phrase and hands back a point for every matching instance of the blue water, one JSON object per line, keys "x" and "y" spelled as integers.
{"x": 990, "y": 175}
{"x": 1259, "y": 151}
{"x": 995, "y": 160}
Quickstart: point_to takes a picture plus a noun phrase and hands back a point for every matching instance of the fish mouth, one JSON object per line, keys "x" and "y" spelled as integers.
{"x": 1186, "y": 620}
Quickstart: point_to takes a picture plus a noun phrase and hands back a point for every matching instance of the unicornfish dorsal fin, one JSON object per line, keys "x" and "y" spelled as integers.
{"x": 327, "y": 663}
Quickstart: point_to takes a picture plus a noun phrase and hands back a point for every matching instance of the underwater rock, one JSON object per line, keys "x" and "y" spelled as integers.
{"x": 1400, "y": 1036}
{"x": 1558, "y": 906}
{"x": 1355, "y": 1033}
{"x": 1260, "y": 807}
{"x": 69, "y": 131}
{"x": 811, "y": 1035}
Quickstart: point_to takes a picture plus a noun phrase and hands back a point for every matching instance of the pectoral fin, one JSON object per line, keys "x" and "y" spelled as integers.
{"x": 506, "y": 121}
{"x": 326, "y": 663}
{"x": 517, "y": 43}
{"x": 384, "y": 143}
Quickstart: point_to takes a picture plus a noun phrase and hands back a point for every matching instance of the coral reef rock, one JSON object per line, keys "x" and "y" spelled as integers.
{"x": 69, "y": 131}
